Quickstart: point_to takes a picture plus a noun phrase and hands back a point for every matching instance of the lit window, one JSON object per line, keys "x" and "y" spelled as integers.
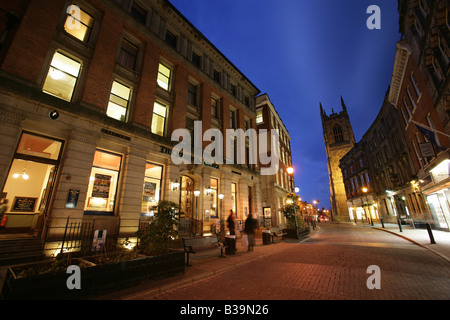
{"x": 152, "y": 188}
{"x": 118, "y": 101}
{"x": 259, "y": 116}
{"x": 163, "y": 76}
{"x": 78, "y": 23}
{"x": 62, "y": 76}
{"x": 102, "y": 186}
{"x": 159, "y": 119}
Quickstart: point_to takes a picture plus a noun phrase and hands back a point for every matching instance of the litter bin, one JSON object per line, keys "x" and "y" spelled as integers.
{"x": 230, "y": 242}
{"x": 266, "y": 237}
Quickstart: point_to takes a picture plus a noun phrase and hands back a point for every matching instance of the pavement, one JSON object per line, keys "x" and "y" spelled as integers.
{"x": 422, "y": 238}
{"x": 204, "y": 266}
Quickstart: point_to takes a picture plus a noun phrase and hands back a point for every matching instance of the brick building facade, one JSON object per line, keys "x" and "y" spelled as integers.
{"x": 90, "y": 94}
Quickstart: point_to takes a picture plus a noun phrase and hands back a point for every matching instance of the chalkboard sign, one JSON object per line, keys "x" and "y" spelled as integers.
{"x": 24, "y": 204}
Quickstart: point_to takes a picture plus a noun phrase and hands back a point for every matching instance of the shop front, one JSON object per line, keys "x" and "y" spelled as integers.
{"x": 435, "y": 184}
{"x": 29, "y": 183}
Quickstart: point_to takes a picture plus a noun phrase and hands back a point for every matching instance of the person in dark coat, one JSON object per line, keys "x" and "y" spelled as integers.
{"x": 230, "y": 223}
{"x": 249, "y": 229}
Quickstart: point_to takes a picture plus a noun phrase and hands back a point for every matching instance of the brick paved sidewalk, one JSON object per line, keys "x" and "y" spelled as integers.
{"x": 421, "y": 238}
{"x": 207, "y": 265}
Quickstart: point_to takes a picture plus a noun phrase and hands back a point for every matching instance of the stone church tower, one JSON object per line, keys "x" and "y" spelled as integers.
{"x": 339, "y": 139}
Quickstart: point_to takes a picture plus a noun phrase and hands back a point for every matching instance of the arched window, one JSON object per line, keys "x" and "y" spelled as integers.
{"x": 338, "y": 135}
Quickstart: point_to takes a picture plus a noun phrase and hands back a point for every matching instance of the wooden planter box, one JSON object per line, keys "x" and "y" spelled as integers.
{"x": 95, "y": 280}
{"x": 297, "y": 233}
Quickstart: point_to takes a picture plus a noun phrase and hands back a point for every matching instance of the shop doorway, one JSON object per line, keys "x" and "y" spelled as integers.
{"x": 187, "y": 198}
{"x": 29, "y": 184}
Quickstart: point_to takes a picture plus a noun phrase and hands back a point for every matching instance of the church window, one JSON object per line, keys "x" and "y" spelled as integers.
{"x": 338, "y": 135}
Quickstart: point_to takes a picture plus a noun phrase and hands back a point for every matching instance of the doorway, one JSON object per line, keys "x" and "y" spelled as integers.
{"x": 29, "y": 184}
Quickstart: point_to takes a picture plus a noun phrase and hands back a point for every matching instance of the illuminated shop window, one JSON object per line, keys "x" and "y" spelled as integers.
{"x": 118, "y": 101}
{"x": 62, "y": 76}
{"x": 102, "y": 187}
{"x": 159, "y": 119}
{"x": 78, "y": 23}
{"x": 152, "y": 189}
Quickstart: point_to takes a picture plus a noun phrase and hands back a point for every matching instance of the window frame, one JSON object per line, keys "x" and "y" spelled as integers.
{"x": 50, "y": 66}
{"x": 127, "y": 109}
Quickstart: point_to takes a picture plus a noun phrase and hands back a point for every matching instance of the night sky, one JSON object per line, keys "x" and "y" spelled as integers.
{"x": 301, "y": 53}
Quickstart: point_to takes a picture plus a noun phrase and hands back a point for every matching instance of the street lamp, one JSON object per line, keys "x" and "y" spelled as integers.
{"x": 290, "y": 171}
{"x": 196, "y": 194}
{"x": 364, "y": 190}
{"x": 222, "y": 224}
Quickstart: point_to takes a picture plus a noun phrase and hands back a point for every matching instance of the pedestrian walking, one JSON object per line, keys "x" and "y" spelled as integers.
{"x": 249, "y": 229}
{"x": 230, "y": 223}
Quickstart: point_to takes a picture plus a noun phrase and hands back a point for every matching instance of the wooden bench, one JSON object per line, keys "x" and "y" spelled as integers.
{"x": 276, "y": 232}
{"x": 198, "y": 244}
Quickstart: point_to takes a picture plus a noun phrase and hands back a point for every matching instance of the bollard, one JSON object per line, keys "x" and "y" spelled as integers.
{"x": 430, "y": 233}
{"x": 399, "y": 225}
{"x": 382, "y": 223}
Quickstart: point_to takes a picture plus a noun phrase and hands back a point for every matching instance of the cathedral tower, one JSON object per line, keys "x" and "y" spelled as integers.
{"x": 339, "y": 139}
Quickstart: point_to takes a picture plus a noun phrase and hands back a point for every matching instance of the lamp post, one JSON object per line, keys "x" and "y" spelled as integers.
{"x": 364, "y": 190}
{"x": 196, "y": 194}
{"x": 290, "y": 172}
{"x": 222, "y": 224}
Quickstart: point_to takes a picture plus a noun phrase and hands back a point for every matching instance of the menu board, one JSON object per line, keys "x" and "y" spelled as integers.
{"x": 24, "y": 204}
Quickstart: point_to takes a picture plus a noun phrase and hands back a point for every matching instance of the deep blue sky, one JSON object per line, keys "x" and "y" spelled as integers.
{"x": 302, "y": 52}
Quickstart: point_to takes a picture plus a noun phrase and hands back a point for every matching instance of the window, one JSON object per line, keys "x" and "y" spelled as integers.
{"x": 259, "y": 116}
{"x": 214, "y": 184}
{"x": 216, "y": 76}
{"x": 215, "y": 108}
{"x": 233, "y": 119}
{"x": 234, "y": 196}
{"x": 78, "y": 23}
{"x": 164, "y": 74}
{"x": 62, "y": 76}
{"x": 152, "y": 188}
{"x": 411, "y": 99}
{"x": 233, "y": 90}
{"x": 118, "y": 101}
{"x": 138, "y": 13}
{"x": 247, "y": 101}
{"x": 128, "y": 54}
{"x": 416, "y": 84}
{"x": 405, "y": 103}
{"x": 192, "y": 94}
{"x": 247, "y": 124}
{"x": 171, "y": 39}
{"x": 159, "y": 119}
{"x": 196, "y": 59}
{"x": 102, "y": 187}
{"x": 338, "y": 136}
